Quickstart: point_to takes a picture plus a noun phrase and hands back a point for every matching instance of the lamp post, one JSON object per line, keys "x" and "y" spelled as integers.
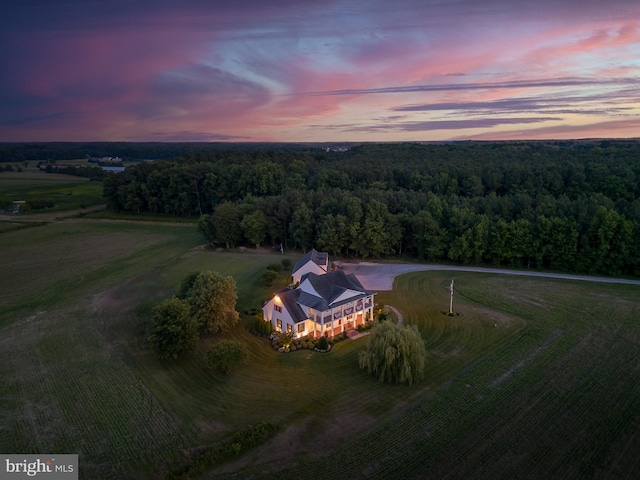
{"x": 451, "y": 299}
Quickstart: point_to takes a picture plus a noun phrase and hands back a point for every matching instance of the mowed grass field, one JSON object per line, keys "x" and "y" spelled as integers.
{"x": 534, "y": 378}
{"x": 65, "y": 191}
{"x": 559, "y": 399}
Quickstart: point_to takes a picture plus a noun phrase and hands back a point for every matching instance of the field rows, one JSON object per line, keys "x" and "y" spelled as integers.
{"x": 532, "y": 375}
{"x": 568, "y": 410}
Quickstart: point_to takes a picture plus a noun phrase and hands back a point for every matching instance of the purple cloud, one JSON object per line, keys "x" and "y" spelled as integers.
{"x": 262, "y": 71}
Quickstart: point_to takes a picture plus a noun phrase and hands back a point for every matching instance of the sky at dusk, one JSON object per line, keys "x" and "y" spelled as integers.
{"x": 319, "y": 70}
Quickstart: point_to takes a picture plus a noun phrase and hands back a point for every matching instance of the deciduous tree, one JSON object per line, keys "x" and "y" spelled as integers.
{"x": 395, "y": 353}
{"x": 302, "y": 227}
{"x": 175, "y": 331}
{"x": 254, "y": 226}
{"x": 212, "y": 299}
{"x": 226, "y": 219}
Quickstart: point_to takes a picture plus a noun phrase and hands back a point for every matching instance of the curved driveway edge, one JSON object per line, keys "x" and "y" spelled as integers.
{"x": 397, "y": 312}
{"x": 379, "y": 276}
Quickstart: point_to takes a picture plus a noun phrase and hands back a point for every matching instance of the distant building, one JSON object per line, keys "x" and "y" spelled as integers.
{"x": 113, "y": 169}
{"x": 105, "y": 160}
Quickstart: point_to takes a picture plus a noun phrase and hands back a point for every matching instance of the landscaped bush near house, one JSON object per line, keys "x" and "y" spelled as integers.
{"x": 323, "y": 343}
{"x": 269, "y": 276}
{"x": 276, "y": 267}
{"x": 365, "y": 327}
{"x": 261, "y": 327}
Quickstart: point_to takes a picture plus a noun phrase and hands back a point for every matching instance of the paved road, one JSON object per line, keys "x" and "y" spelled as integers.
{"x": 379, "y": 276}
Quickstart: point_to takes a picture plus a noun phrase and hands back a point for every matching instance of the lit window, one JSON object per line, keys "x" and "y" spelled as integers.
{"x": 289, "y": 329}
{"x": 279, "y": 325}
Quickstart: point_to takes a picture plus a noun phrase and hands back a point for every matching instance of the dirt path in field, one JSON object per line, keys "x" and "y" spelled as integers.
{"x": 380, "y": 276}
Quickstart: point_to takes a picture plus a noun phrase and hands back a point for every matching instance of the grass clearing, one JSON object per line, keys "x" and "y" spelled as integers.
{"x": 65, "y": 191}
{"x": 535, "y": 376}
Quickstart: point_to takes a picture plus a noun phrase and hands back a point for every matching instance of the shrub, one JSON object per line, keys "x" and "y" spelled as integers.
{"x": 286, "y": 263}
{"x": 261, "y": 327}
{"x": 323, "y": 343}
{"x": 269, "y": 276}
{"x": 39, "y": 204}
{"x": 225, "y": 355}
{"x": 276, "y": 267}
{"x": 240, "y": 442}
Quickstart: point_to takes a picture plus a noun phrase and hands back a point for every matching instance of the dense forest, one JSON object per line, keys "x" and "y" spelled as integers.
{"x": 565, "y": 206}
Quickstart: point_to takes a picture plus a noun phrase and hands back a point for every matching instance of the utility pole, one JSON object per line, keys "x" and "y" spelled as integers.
{"x": 451, "y": 300}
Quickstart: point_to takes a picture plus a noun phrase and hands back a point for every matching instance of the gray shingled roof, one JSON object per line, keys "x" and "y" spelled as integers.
{"x": 289, "y": 299}
{"x": 319, "y": 258}
{"x": 330, "y": 286}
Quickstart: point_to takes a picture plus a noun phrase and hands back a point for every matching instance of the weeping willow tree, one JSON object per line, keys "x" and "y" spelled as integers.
{"x": 395, "y": 353}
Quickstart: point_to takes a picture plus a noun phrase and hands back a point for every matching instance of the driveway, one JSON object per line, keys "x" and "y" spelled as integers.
{"x": 379, "y": 276}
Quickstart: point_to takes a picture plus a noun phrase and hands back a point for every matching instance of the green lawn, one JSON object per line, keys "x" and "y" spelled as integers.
{"x": 65, "y": 191}
{"x": 559, "y": 399}
{"x": 534, "y": 377}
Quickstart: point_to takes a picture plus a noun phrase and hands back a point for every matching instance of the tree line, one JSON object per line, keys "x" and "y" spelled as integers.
{"x": 565, "y": 206}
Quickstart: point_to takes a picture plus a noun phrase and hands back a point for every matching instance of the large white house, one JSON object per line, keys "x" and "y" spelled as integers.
{"x": 327, "y": 304}
{"x": 313, "y": 262}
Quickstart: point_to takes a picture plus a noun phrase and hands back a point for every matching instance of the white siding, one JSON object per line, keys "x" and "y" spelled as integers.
{"x": 271, "y": 315}
{"x": 309, "y": 267}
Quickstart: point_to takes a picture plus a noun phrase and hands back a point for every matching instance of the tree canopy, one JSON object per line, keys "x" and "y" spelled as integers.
{"x": 205, "y": 304}
{"x": 175, "y": 331}
{"x": 212, "y": 300}
{"x": 570, "y": 206}
{"x": 394, "y": 353}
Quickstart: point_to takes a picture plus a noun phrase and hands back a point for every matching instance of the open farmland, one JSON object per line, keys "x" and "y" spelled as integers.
{"x": 558, "y": 400}
{"x": 65, "y": 191}
{"x": 535, "y": 377}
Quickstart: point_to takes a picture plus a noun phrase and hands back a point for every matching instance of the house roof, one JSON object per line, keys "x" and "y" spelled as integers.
{"x": 289, "y": 299}
{"x": 319, "y": 258}
{"x": 322, "y": 292}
